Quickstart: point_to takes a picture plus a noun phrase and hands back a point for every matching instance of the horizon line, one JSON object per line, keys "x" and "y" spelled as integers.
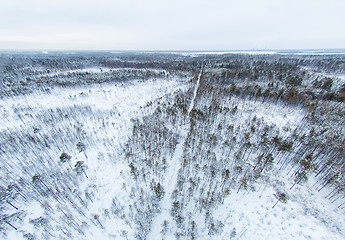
{"x": 173, "y": 50}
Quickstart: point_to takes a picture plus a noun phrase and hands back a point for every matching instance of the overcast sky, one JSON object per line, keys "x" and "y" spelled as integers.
{"x": 172, "y": 25}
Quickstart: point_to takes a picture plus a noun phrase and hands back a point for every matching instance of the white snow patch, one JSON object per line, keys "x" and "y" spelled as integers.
{"x": 306, "y": 215}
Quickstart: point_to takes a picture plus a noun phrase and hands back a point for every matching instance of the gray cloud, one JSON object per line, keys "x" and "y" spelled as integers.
{"x": 168, "y": 25}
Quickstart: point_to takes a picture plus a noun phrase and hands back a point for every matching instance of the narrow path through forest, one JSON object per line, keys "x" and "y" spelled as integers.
{"x": 157, "y": 226}
{"x": 196, "y": 88}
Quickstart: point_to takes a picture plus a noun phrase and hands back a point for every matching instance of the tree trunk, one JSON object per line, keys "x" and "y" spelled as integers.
{"x": 10, "y": 225}
{"x": 85, "y": 173}
{"x": 69, "y": 163}
{"x": 276, "y": 203}
{"x": 11, "y": 204}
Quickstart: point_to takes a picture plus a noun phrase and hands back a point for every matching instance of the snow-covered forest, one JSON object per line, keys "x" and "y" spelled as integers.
{"x": 98, "y": 145}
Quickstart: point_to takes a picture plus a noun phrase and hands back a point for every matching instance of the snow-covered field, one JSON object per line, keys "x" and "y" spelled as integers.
{"x": 307, "y": 214}
{"x": 109, "y": 111}
{"x": 249, "y": 214}
{"x": 114, "y": 194}
{"x": 338, "y": 79}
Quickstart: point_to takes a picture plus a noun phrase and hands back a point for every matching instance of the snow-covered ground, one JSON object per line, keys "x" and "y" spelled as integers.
{"x": 126, "y": 98}
{"x": 171, "y": 176}
{"x": 169, "y": 186}
{"x": 97, "y": 70}
{"x": 254, "y": 213}
{"x": 249, "y": 214}
{"x": 103, "y": 118}
{"x": 338, "y": 79}
{"x": 307, "y": 214}
{"x": 111, "y": 108}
